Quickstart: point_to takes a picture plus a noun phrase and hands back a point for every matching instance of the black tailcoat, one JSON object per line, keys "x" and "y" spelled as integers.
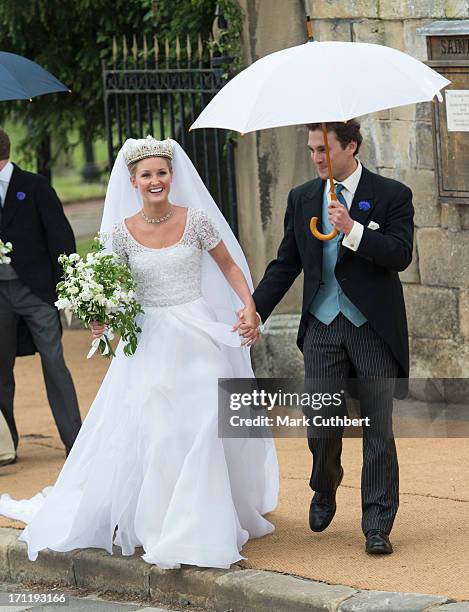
{"x": 369, "y": 276}
{"x": 34, "y": 222}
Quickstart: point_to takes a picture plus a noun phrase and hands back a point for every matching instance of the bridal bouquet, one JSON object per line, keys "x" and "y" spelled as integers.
{"x": 100, "y": 288}
{"x": 5, "y": 249}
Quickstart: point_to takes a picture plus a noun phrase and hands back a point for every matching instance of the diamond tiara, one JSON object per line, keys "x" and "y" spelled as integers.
{"x": 148, "y": 147}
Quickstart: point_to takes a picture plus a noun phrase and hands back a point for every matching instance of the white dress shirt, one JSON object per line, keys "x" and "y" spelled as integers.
{"x": 352, "y": 241}
{"x": 5, "y": 176}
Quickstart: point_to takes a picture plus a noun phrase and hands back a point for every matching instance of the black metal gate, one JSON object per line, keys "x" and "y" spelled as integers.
{"x": 160, "y": 90}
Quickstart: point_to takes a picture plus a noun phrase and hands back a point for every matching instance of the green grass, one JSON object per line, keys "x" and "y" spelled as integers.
{"x": 71, "y": 187}
{"x": 66, "y": 177}
{"x": 84, "y": 245}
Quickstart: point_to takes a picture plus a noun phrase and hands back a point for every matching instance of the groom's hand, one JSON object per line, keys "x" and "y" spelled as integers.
{"x": 248, "y": 327}
{"x": 339, "y": 217}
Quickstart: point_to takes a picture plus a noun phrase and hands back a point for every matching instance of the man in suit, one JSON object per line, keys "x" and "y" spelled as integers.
{"x": 32, "y": 219}
{"x": 353, "y": 320}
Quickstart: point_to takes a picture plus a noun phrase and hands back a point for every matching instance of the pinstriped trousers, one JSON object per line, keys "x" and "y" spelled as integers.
{"x": 329, "y": 352}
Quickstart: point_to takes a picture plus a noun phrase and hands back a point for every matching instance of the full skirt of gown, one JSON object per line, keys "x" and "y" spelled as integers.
{"x": 148, "y": 459}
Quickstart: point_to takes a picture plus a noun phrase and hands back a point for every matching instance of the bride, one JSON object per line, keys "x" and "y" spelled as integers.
{"x": 148, "y": 468}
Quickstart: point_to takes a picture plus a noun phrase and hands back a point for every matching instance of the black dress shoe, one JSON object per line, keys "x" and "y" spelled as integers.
{"x": 322, "y": 508}
{"x": 377, "y": 543}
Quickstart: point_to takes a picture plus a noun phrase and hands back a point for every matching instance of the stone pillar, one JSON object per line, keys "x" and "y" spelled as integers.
{"x": 268, "y": 164}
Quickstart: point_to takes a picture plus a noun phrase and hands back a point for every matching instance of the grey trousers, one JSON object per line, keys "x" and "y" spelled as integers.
{"x": 16, "y": 300}
{"x": 329, "y": 351}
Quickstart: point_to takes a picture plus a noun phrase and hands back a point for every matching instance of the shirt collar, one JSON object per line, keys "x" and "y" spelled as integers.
{"x": 351, "y": 182}
{"x": 6, "y": 172}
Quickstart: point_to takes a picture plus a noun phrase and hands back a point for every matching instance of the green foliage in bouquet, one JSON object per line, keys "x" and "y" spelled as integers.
{"x": 99, "y": 287}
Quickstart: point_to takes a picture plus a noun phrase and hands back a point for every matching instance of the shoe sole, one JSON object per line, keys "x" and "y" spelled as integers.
{"x": 378, "y": 551}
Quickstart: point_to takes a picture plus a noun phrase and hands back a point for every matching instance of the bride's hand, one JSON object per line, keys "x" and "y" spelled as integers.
{"x": 250, "y": 317}
{"x": 97, "y": 329}
{"x": 248, "y": 326}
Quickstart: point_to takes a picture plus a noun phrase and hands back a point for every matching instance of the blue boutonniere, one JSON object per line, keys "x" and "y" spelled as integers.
{"x": 364, "y": 205}
{"x": 20, "y": 195}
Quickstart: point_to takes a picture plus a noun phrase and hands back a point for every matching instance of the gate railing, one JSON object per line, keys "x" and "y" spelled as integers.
{"x": 160, "y": 89}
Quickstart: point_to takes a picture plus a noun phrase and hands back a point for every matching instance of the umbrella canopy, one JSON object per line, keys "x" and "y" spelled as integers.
{"x": 22, "y": 79}
{"x": 320, "y": 82}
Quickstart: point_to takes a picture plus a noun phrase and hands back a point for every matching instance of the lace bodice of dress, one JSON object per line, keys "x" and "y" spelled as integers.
{"x": 170, "y": 275}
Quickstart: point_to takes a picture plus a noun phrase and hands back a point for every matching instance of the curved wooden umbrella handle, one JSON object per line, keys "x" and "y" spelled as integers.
{"x": 317, "y": 234}
{"x": 313, "y": 223}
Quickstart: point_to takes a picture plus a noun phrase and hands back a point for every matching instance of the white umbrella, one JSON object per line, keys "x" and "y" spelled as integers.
{"x": 319, "y": 82}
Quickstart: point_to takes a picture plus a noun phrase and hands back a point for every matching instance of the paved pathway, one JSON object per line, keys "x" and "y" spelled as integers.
{"x": 430, "y": 535}
{"x": 85, "y": 217}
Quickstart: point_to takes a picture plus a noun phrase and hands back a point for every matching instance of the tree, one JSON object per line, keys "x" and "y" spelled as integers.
{"x": 71, "y": 38}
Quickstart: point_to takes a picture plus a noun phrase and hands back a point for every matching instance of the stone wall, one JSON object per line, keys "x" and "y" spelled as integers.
{"x": 397, "y": 143}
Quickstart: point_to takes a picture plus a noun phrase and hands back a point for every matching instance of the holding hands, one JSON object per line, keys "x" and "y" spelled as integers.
{"x": 248, "y": 325}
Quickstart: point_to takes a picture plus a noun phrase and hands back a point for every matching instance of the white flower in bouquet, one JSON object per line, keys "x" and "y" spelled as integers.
{"x": 99, "y": 287}
{"x": 63, "y": 303}
{"x": 5, "y": 249}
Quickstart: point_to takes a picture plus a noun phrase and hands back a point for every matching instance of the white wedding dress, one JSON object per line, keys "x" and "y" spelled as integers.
{"x": 148, "y": 459}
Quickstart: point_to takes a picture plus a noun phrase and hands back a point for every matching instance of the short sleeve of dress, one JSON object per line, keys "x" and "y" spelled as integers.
{"x": 119, "y": 239}
{"x": 207, "y": 232}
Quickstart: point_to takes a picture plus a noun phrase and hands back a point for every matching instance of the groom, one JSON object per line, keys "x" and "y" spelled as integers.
{"x": 353, "y": 315}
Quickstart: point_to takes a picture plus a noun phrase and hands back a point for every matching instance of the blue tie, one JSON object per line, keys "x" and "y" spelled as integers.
{"x": 340, "y": 196}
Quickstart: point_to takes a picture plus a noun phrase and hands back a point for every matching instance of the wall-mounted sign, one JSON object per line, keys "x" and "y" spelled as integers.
{"x": 457, "y": 110}
{"x": 448, "y": 53}
{"x": 451, "y": 48}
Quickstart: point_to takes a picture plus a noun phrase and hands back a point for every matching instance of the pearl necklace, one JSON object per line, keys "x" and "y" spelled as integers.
{"x": 157, "y": 219}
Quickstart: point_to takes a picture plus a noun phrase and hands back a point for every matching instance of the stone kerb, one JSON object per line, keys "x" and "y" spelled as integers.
{"x": 239, "y": 589}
